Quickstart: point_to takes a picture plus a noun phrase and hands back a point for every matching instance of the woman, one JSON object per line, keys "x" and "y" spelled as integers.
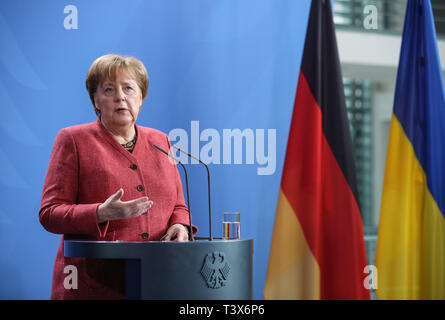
{"x": 106, "y": 181}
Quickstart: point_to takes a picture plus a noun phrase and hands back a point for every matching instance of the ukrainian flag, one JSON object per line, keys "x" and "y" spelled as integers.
{"x": 411, "y": 240}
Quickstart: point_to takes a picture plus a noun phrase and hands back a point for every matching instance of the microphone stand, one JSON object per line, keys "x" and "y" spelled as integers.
{"x": 186, "y": 185}
{"x": 208, "y": 188}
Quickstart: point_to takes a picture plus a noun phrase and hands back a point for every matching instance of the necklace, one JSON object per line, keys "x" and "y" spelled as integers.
{"x": 130, "y": 144}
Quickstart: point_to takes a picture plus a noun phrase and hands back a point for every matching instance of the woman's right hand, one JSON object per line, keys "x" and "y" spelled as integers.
{"x": 113, "y": 208}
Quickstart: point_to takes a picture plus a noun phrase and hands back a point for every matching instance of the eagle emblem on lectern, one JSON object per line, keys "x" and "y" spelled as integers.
{"x": 215, "y": 270}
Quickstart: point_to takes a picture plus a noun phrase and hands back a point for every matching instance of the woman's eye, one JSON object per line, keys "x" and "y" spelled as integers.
{"x": 128, "y": 88}
{"x": 108, "y": 89}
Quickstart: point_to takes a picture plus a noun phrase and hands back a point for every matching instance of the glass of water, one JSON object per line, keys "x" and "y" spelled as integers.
{"x": 231, "y": 225}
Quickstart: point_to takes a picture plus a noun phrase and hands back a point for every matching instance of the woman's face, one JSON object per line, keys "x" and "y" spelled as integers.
{"x": 119, "y": 101}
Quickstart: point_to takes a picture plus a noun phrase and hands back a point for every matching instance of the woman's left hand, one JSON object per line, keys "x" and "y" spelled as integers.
{"x": 177, "y": 232}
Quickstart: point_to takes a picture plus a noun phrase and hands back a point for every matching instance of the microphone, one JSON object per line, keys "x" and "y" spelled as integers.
{"x": 186, "y": 185}
{"x": 208, "y": 188}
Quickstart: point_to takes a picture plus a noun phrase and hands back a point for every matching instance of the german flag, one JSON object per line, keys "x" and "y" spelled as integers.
{"x": 317, "y": 249}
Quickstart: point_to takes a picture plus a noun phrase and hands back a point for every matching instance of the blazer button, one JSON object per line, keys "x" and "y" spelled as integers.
{"x": 133, "y": 166}
{"x": 144, "y": 235}
{"x": 140, "y": 187}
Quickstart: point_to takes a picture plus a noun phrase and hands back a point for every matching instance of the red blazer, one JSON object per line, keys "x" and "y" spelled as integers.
{"x": 87, "y": 166}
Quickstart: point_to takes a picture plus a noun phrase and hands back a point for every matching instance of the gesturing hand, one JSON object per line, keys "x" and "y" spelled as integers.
{"x": 113, "y": 208}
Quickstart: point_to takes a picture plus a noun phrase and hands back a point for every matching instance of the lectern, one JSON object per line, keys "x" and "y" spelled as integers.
{"x": 205, "y": 270}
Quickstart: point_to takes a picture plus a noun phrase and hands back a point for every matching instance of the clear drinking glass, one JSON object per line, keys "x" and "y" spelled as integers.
{"x": 231, "y": 225}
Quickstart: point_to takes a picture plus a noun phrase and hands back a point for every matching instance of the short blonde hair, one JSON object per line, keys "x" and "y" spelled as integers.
{"x": 105, "y": 67}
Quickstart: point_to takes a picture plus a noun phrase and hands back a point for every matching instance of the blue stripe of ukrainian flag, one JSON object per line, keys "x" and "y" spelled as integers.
{"x": 411, "y": 240}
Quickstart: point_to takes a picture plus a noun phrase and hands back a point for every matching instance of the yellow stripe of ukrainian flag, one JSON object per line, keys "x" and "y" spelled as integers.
{"x": 411, "y": 240}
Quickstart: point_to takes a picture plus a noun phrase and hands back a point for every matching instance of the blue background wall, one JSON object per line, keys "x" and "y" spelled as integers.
{"x": 227, "y": 64}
